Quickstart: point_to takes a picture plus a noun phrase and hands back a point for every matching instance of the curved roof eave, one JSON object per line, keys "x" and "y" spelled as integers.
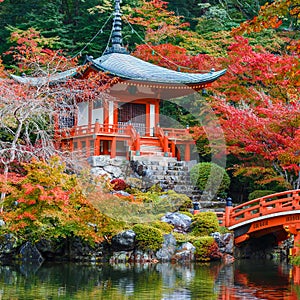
{"x": 38, "y": 81}
{"x": 129, "y": 67}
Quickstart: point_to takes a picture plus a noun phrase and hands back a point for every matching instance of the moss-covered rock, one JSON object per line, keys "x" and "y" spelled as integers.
{"x": 147, "y": 237}
{"x": 164, "y": 227}
{"x": 205, "y": 246}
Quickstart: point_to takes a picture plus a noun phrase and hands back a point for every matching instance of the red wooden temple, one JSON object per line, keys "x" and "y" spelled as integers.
{"x": 128, "y": 125}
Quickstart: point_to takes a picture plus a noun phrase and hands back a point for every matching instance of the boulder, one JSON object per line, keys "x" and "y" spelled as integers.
{"x": 225, "y": 242}
{"x": 120, "y": 257}
{"x": 29, "y": 253}
{"x": 99, "y": 161}
{"x": 139, "y": 256}
{"x": 8, "y": 244}
{"x": 184, "y": 253}
{"x": 100, "y": 172}
{"x": 124, "y": 241}
{"x": 180, "y": 221}
{"x": 115, "y": 172}
{"x": 168, "y": 248}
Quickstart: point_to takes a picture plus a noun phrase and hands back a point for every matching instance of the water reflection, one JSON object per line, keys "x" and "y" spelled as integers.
{"x": 241, "y": 280}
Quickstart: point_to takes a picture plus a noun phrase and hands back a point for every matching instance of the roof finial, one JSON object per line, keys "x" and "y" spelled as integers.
{"x": 116, "y": 36}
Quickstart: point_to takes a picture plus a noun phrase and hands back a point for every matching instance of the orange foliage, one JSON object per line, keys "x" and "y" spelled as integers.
{"x": 272, "y": 15}
{"x": 32, "y": 55}
{"x": 48, "y": 203}
{"x": 161, "y": 24}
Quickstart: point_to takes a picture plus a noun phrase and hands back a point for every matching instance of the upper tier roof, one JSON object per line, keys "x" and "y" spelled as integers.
{"x": 129, "y": 67}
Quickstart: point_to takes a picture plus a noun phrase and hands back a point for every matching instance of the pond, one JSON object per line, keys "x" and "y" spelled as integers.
{"x": 243, "y": 279}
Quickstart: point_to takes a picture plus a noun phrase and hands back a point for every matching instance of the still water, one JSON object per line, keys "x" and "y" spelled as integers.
{"x": 244, "y": 280}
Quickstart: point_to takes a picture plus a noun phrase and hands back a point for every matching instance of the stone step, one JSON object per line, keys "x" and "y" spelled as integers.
{"x": 158, "y": 148}
{"x": 153, "y": 158}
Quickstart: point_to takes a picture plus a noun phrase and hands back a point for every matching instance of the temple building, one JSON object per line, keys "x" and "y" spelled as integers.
{"x": 128, "y": 124}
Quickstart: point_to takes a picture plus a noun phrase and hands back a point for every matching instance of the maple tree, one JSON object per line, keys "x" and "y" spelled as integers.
{"x": 252, "y": 72}
{"x": 28, "y": 110}
{"x": 47, "y": 203}
{"x": 274, "y": 15}
{"x": 161, "y": 25}
{"x": 266, "y": 137}
{"x": 33, "y": 55}
{"x": 258, "y": 107}
{"x": 255, "y": 77}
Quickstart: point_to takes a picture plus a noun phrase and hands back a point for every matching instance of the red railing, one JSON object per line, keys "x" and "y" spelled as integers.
{"x": 267, "y": 205}
{"x": 177, "y": 133}
{"x": 134, "y": 142}
{"x": 96, "y": 128}
{"x": 163, "y": 139}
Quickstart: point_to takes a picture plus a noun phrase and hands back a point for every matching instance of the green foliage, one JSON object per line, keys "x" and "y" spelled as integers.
{"x": 48, "y": 203}
{"x": 204, "y": 246}
{"x": 206, "y": 176}
{"x": 295, "y": 260}
{"x": 205, "y": 223}
{"x": 187, "y": 213}
{"x": 164, "y": 227}
{"x": 183, "y": 238}
{"x": 260, "y": 193}
{"x": 179, "y": 201}
{"x": 148, "y": 237}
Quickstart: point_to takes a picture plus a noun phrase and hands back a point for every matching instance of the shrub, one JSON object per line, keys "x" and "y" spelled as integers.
{"x": 205, "y": 246}
{"x": 181, "y": 201}
{"x": 209, "y": 176}
{"x": 182, "y": 237}
{"x": 205, "y": 223}
{"x": 148, "y": 237}
{"x": 187, "y": 213}
{"x": 295, "y": 260}
{"x": 118, "y": 184}
{"x": 48, "y": 203}
{"x": 260, "y": 193}
{"x": 162, "y": 226}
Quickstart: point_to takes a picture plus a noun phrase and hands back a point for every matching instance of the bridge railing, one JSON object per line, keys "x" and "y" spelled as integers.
{"x": 275, "y": 203}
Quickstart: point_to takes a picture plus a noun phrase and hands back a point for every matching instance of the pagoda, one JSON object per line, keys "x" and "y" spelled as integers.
{"x": 127, "y": 125}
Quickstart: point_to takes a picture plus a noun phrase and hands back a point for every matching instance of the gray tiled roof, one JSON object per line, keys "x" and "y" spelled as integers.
{"x": 127, "y": 66}
{"x": 37, "y": 81}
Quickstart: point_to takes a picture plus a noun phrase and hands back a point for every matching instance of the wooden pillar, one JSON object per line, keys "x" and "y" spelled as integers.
{"x": 166, "y": 146}
{"x": 97, "y": 146}
{"x": 173, "y": 149}
{"x": 187, "y": 154}
{"x": 105, "y": 117}
{"x": 113, "y": 150}
{"x": 137, "y": 145}
{"x": 147, "y": 119}
{"x": 90, "y": 113}
{"x": 97, "y": 126}
{"x": 87, "y": 146}
{"x": 116, "y": 115}
{"x": 156, "y": 112}
{"x": 296, "y": 274}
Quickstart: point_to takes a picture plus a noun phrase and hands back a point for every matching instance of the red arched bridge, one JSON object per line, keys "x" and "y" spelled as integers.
{"x": 277, "y": 214}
